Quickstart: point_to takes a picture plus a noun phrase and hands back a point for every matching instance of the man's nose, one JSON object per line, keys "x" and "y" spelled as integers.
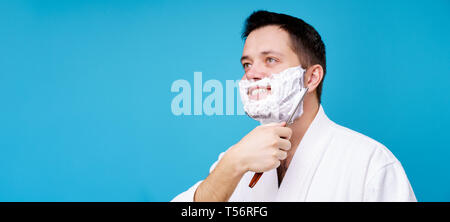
{"x": 256, "y": 73}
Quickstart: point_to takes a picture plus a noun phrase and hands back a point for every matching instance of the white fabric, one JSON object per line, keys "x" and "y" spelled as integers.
{"x": 286, "y": 90}
{"x": 332, "y": 163}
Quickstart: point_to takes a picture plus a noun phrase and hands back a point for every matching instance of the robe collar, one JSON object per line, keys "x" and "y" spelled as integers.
{"x": 301, "y": 170}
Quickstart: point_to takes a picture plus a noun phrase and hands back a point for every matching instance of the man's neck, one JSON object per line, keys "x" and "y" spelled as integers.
{"x": 301, "y": 124}
{"x": 299, "y": 128}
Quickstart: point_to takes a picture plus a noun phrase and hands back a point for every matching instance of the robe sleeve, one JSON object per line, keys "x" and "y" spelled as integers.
{"x": 389, "y": 184}
{"x": 188, "y": 195}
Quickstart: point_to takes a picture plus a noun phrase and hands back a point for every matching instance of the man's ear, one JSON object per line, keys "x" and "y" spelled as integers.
{"x": 313, "y": 77}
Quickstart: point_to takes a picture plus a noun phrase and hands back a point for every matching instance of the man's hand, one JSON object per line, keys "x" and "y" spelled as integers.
{"x": 260, "y": 150}
{"x": 263, "y": 148}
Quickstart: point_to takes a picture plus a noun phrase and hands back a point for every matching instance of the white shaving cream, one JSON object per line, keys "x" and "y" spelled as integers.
{"x": 285, "y": 88}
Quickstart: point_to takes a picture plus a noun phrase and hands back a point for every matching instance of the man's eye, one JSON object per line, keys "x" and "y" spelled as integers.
{"x": 246, "y": 65}
{"x": 270, "y": 60}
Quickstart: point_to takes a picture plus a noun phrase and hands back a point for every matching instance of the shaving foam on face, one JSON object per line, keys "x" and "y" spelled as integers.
{"x": 285, "y": 88}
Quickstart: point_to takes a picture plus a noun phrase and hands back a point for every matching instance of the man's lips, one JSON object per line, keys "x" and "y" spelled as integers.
{"x": 259, "y": 92}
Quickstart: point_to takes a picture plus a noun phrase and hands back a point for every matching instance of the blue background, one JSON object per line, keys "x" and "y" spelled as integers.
{"x": 85, "y": 91}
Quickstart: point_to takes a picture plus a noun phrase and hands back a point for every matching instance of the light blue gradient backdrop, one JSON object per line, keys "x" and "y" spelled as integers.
{"x": 85, "y": 91}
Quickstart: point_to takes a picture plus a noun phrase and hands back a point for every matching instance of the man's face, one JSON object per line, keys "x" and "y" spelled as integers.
{"x": 267, "y": 50}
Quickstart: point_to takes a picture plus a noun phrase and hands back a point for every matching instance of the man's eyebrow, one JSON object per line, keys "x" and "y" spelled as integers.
{"x": 263, "y": 53}
{"x": 271, "y": 52}
{"x": 244, "y": 57}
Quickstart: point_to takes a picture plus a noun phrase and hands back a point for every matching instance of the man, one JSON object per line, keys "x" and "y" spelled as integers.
{"x": 312, "y": 159}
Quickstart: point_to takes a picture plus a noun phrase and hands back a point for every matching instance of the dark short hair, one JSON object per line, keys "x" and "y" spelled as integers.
{"x": 306, "y": 41}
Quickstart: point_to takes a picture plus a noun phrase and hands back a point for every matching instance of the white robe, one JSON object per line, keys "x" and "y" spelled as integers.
{"x": 332, "y": 163}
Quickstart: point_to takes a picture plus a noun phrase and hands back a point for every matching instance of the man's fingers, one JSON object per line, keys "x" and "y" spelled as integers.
{"x": 281, "y": 155}
{"x": 283, "y": 132}
{"x": 284, "y": 144}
